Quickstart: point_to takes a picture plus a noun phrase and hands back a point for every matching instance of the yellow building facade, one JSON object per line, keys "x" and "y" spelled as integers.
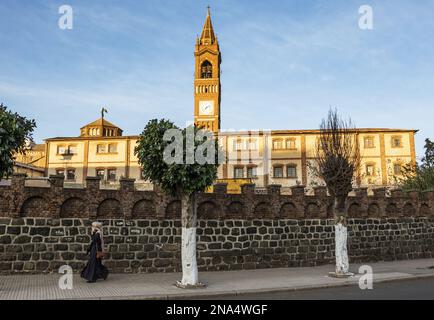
{"x": 286, "y": 157}
{"x": 265, "y": 157}
{"x": 32, "y": 161}
{"x": 100, "y": 150}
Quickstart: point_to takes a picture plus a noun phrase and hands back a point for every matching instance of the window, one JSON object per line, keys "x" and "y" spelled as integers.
{"x": 70, "y": 174}
{"x": 369, "y": 142}
{"x": 397, "y": 169}
{"x": 61, "y": 149}
{"x": 277, "y": 144}
{"x": 238, "y": 145}
{"x": 72, "y": 149}
{"x": 370, "y": 170}
{"x": 101, "y": 148}
{"x": 112, "y": 148}
{"x": 278, "y": 172}
{"x": 111, "y": 174}
{"x": 67, "y": 150}
{"x": 238, "y": 172}
{"x": 396, "y": 142}
{"x": 290, "y": 144}
{"x": 94, "y": 131}
{"x": 291, "y": 171}
{"x": 251, "y": 172}
{"x": 253, "y": 144}
{"x": 60, "y": 172}
{"x": 206, "y": 70}
{"x": 100, "y": 173}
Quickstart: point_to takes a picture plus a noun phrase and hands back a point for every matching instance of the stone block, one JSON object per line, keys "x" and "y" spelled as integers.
{"x": 14, "y": 230}
{"x": 42, "y": 231}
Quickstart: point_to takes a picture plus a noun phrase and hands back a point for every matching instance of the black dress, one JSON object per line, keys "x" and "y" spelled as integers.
{"x": 94, "y": 269}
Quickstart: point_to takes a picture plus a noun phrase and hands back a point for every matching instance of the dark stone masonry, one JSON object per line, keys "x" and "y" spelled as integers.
{"x": 44, "y": 228}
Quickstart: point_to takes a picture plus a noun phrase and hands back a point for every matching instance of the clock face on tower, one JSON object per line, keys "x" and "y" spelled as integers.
{"x": 206, "y": 107}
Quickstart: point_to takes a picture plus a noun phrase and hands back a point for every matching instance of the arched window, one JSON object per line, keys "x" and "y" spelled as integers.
{"x": 206, "y": 70}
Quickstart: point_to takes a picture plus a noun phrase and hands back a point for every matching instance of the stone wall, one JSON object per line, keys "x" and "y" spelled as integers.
{"x": 44, "y": 244}
{"x": 44, "y": 228}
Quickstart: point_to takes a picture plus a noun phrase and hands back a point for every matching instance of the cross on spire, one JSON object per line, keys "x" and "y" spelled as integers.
{"x": 208, "y": 36}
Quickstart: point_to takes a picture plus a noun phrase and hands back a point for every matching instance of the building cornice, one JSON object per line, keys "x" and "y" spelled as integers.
{"x": 312, "y": 131}
{"x": 91, "y": 138}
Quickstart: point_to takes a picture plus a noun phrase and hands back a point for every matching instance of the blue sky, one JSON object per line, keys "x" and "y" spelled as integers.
{"x": 284, "y": 63}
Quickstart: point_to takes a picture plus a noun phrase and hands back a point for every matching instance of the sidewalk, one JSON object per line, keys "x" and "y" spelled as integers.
{"x": 228, "y": 283}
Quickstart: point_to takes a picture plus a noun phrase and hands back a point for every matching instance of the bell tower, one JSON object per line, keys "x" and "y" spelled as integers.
{"x": 207, "y": 87}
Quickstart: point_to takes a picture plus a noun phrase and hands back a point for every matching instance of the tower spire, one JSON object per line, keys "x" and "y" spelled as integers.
{"x": 207, "y": 88}
{"x": 208, "y": 36}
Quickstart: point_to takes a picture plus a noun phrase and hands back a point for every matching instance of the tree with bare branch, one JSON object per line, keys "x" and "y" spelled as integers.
{"x": 337, "y": 164}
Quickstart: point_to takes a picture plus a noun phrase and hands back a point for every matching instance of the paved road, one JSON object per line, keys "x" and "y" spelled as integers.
{"x": 229, "y": 283}
{"x": 420, "y": 289}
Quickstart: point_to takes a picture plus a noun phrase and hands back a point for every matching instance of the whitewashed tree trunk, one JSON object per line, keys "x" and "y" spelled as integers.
{"x": 341, "y": 236}
{"x": 188, "y": 245}
{"x": 341, "y": 252}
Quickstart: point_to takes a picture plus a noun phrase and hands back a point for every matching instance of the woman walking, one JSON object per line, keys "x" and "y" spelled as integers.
{"x": 94, "y": 269}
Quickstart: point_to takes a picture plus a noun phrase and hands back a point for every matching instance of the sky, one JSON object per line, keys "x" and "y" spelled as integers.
{"x": 284, "y": 63}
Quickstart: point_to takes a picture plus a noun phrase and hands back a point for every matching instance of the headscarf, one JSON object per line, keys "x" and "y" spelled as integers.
{"x": 98, "y": 227}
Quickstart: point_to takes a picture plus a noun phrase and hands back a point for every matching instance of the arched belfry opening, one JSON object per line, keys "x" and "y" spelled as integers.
{"x": 207, "y": 78}
{"x": 206, "y": 70}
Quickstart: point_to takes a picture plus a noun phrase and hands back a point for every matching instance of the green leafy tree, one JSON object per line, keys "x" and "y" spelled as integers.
{"x": 168, "y": 164}
{"x": 15, "y": 131}
{"x": 420, "y": 177}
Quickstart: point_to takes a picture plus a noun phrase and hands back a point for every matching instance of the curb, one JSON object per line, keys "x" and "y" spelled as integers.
{"x": 240, "y": 293}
